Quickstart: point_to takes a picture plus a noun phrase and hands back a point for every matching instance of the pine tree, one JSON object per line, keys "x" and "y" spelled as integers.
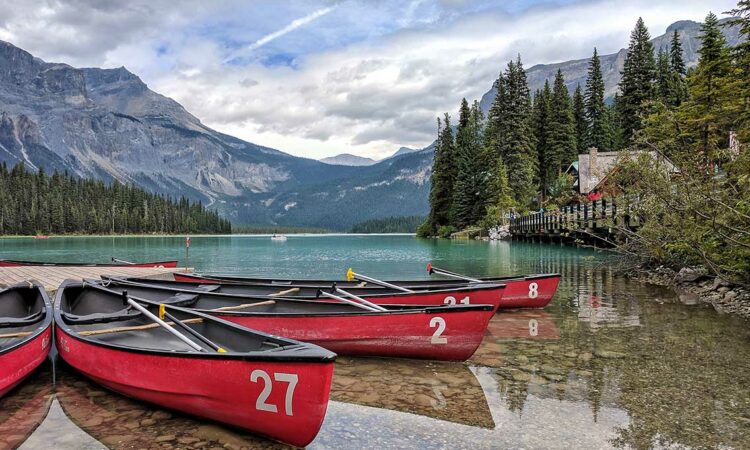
{"x": 561, "y": 139}
{"x": 677, "y": 84}
{"x": 638, "y": 77}
{"x": 663, "y": 77}
{"x": 710, "y": 91}
{"x": 443, "y": 176}
{"x": 579, "y": 115}
{"x": 541, "y": 123}
{"x": 596, "y": 135}
{"x": 516, "y": 135}
{"x": 469, "y": 196}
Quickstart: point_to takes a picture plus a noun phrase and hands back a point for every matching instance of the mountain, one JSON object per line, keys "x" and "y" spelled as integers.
{"x": 107, "y": 124}
{"x": 575, "y": 71}
{"x": 403, "y": 151}
{"x": 347, "y": 159}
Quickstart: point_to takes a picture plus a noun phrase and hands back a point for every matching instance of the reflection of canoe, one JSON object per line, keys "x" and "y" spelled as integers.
{"x": 120, "y": 422}
{"x": 523, "y": 324}
{"x": 443, "y": 391}
{"x": 477, "y": 294}
{"x": 25, "y": 409}
{"x": 251, "y": 382}
{"x": 25, "y": 331}
{"x": 446, "y": 333}
{"x": 17, "y": 263}
{"x": 524, "y": 291}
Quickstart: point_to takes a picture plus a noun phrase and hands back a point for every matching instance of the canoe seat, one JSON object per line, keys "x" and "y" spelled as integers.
{"x": 123, "y": 314}
{"x": 7, "y": 322}
{"x": 180, "y": 299}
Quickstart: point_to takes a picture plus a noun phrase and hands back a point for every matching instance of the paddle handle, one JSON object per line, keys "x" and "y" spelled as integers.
{"x": 346, "y": 300}
{"x": 15, "y": 335}
{"x": 431, "y": 269}
{"x": 122, "y": 261}
{"x": 359, "y": 299}
{"x": 353, "y": 275}
{"x": 164, "y": 324}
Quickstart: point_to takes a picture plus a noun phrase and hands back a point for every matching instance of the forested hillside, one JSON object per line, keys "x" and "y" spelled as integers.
{"x": 34, "y": 202}
{"x": 406, "y": 224}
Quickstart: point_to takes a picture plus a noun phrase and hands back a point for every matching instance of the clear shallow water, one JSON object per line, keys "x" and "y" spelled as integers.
{"x": 608, "y": 364}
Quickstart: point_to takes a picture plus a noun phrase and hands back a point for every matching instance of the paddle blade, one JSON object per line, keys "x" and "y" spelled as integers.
{"x": 429, "y": 268}
{"x": 350, "y": 275}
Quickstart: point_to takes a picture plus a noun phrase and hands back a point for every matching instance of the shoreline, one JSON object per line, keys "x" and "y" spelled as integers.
{"x": 694, "y": 286}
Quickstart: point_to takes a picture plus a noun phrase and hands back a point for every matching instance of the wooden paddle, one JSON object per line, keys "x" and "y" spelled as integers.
{"x": 154, "y": 325}
{"x": 15, "y": 335}
{"x": 287, "y": 292}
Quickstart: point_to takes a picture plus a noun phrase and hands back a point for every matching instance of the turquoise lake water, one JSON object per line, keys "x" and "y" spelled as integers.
{"x": 610, "y": 363}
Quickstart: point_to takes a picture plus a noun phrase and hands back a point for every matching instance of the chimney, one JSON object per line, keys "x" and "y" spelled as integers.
{"x": 734, "y": 145}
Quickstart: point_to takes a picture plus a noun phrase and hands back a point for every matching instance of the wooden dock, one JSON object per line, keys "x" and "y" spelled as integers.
{"x": 583, "y": 221}
{"x": 51, "y": 277}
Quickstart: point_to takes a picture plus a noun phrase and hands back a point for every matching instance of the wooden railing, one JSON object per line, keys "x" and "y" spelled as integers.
{"x": 596, "y": 217}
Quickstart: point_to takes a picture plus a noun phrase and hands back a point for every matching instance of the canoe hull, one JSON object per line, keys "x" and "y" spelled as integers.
{"x": 484, "y": 296}
{"x": 522, "y": 292}
{"x": 445, "y": 336}
{"x": 258, "y": 396}
{"x": 18, "y": 363}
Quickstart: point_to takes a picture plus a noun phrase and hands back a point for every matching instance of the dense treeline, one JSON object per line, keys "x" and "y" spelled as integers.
{"x": 700, "y": 119}
{"x": 515, "y": 159}
{"x": 402, "y": 224}
{"x": 37, "y": 203}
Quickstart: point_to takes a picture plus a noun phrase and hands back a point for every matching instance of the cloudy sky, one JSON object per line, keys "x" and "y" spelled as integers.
{"x": 318, "y": 78}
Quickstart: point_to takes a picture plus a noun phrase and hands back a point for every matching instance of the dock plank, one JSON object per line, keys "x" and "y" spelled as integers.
{"x": 52, "y": 277}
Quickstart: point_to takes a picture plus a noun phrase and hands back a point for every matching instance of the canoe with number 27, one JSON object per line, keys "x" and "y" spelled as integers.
{"x": 448, "y": 333}
{"x": 269, "y": 385}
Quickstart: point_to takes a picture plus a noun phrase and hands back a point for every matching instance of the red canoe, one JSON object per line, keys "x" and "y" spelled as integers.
{"x": 448, "y": 333}
{"x": 25, "y": 332}
{"x": 265, "y": 384}
{"x": 157, "y": 264}
{"x": 477, "y": 294}
{"x": 531, "y": 291}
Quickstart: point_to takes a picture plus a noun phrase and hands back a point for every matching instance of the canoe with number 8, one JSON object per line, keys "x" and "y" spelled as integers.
{"x": 269, "y": 385}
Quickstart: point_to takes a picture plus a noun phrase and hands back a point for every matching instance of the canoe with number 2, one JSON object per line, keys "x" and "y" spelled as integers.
{"x": 195, "y": 363}
{"x": 448, "y": 333}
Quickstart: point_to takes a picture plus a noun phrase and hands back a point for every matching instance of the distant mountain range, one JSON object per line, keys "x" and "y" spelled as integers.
{"x": 575, "y": 71}
{"x": 107, "y": 124}
{"x": 347, "y": 159}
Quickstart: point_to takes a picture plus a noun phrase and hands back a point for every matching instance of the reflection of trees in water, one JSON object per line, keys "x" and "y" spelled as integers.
{"x": 682, "y": 374}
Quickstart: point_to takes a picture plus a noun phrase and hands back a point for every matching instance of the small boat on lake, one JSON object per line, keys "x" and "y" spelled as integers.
{"x": 115, "y": 263}
{"x": 195, "y": 363}
{"x": 480, "y": 294}
{"x": 448, "y": 333}
{"x": 521, "y": 291}
{"x": 278, "y": 237}
{"x": 25, "y": 332}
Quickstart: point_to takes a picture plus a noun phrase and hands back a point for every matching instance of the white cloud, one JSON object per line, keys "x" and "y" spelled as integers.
{"x": 367, "y": 96}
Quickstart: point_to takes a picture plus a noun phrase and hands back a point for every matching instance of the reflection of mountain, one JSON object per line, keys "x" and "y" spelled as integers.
{"x": 445, "y": 391}
{"x": 24, "y": 408}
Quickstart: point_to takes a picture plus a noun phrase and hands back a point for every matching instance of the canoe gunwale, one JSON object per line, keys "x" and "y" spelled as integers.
{"x": 315, "y": 354}
{"x": 21, "y": 263}
{"x": 44, "y": 323}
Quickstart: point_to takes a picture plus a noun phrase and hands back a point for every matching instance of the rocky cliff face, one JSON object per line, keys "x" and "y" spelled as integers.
{"x": 107, "y": 123}
{"x": 575, "y": 71}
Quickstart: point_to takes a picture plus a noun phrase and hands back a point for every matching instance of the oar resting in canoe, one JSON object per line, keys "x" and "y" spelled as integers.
{"x": 195, "y": 363}
{"x": 450, "y": 333}
{"x": 521, "y": 291}
{"x": 25, "y": 332}
{"x": 483, "y": 294}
